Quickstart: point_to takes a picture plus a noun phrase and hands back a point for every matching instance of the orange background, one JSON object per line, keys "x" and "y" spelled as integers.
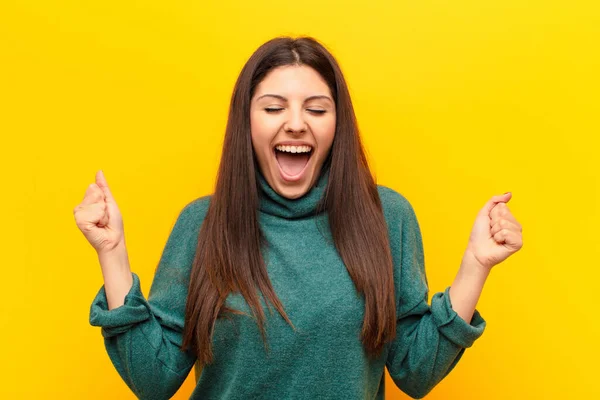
{"x": 457, "y": 101}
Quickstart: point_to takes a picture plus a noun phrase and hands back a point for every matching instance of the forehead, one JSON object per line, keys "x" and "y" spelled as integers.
{"x": 293, "y": 80}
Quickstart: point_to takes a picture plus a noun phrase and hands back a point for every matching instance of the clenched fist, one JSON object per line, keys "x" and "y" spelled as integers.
{"x": 496, "y": 233}
{"x": 99, "y": 218}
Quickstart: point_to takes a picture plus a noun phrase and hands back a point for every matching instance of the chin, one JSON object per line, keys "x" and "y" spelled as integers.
{"x": 293, "y": 191}
{"x": 294, "y": 195}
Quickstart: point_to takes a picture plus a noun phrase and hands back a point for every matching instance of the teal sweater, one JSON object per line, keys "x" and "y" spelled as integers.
{"x": 324, "y": 358}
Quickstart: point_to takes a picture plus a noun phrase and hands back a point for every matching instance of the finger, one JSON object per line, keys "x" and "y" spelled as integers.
{"x": 508, "y": 217}
{"x": 104, "y": 220}
{"x": 487, "y": 208}
{"x": 91, "y": 213}
{"x": 93, "y": 194}
{"x": 101, "y": 181}
{"x": 501, "y": 211}
{"x": 510, "y": 239}
{"x": 504, "y": 224}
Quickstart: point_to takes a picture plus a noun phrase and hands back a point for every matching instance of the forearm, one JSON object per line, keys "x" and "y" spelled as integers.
{"x": 467, "y": 286}
{"x": 117, "y": 275}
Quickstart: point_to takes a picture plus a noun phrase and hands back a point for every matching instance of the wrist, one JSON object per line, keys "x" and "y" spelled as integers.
{"x": 115, "y": 259}
{"x": 472, "y": 266}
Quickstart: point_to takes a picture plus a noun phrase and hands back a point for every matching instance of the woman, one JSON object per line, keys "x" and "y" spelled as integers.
{"x": 298, "y": 221}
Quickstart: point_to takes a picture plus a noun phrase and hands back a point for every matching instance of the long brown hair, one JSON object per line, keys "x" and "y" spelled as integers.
{"x": 228, "y": 256}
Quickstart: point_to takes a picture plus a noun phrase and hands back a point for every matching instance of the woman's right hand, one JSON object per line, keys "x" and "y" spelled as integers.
{"x": 98, "y": 217}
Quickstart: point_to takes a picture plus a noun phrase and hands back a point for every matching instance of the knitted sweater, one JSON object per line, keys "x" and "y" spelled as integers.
{"x": 324, "y": 358}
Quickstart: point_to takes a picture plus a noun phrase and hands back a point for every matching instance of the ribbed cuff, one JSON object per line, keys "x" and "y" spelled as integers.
{"x": 118, "y": 320}
{"x": 451, "y": 325}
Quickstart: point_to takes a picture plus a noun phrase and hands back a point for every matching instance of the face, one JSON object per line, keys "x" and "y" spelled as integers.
{"x": 292, "y": 119}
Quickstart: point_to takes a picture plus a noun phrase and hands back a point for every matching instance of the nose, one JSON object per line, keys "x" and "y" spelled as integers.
{"x": 296, "y": 122}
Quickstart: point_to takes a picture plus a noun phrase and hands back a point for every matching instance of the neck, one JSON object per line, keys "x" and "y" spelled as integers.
{"x": 275, "y": 204}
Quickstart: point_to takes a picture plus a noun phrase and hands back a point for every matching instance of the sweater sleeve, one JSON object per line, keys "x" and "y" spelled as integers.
{"x": 430, "y": 340}
{"x": 143, "y": 337}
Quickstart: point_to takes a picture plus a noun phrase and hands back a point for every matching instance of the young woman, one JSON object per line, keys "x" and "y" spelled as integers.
{"x": 296, "y": 222}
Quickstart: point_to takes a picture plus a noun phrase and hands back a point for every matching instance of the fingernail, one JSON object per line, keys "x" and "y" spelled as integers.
{"x": 507, "y": 193}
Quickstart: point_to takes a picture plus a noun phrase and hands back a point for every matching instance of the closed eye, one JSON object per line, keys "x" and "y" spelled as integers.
{"x": 274, "y": 110}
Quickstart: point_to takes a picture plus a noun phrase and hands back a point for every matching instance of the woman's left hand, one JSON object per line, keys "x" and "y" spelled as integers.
{"x": 496, "y": 233}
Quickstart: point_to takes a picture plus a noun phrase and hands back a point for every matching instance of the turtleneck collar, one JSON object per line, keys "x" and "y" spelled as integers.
{"x": 271, "y": 202}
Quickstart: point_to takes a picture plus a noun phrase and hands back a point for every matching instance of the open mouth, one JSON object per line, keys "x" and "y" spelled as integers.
{"x": 293, "y": 160}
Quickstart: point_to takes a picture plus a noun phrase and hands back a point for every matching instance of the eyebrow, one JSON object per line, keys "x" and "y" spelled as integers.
{"x": 277, "y": 96}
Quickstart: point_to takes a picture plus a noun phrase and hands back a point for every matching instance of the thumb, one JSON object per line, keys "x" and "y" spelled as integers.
{"x": 503, "y": 198}
{"x": 101, "y": 182}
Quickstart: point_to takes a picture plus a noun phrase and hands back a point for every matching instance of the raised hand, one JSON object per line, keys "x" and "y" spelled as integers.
{"x": 496, "y": 233}
{"x": 98, "y": 217}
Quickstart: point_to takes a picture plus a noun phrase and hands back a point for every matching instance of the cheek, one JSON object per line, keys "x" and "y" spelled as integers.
{"x": 256, "y": 133}
{"x": 262, "y": 130}
{"x": 325, "y": 133}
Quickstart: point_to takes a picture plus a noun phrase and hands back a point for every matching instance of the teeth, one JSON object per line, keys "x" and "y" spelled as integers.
{"x": 294, "y": 149}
